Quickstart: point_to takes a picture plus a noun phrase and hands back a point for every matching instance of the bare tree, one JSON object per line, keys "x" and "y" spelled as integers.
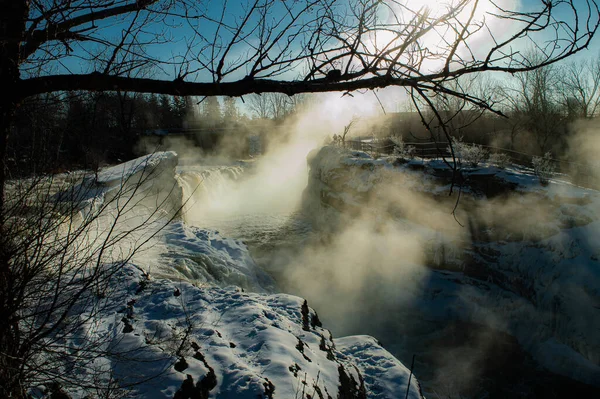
{"x": 66, "y": 238}
{"x": 272, "y": 105}
{"x": 347, "y": 129}
{"x": 259, "y": 106}
{"x": 580, "y": 87}
{"x": 268, "y": 46}
{"x": 536, "y": 105}
{"x": 456, "y": 113}
{"x": 281, "y": 106}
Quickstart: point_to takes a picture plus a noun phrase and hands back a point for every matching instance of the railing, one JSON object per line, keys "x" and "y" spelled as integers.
{"x": 424, "y": 149}
{"x": 582, "y": 174}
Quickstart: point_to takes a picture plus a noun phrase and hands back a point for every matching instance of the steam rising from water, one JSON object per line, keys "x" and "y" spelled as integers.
{"x": 274, "y": 182}
{"x": 350, "y": 275}
{"x": 584, "y": 147}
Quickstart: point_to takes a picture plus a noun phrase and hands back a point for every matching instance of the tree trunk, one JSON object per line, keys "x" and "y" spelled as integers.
{"x": 12, "y": 27}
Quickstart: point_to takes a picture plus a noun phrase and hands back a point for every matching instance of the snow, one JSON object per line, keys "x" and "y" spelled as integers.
{"x": 150, "y": 177}
{"x": 126, "y": 171}
{"x": 559, "y": 358}
{"x": 384, "y": 377}
{"x": 250, "y": 341}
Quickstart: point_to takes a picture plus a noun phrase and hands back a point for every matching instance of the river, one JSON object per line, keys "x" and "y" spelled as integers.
{"x": 452, "y": 358}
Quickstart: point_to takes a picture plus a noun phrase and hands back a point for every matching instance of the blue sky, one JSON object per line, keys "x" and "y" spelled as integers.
{"x": 178, "y": 34}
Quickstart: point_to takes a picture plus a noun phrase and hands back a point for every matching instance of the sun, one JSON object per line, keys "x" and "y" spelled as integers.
{"x": 395, "y": 16}
{"x": 407, "y": 10}
{"x": 430, "y": 5}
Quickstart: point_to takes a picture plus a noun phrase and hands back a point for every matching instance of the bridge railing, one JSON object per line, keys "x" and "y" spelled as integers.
{"x": 579, "y": 173}
{"x": 379, "y": 147}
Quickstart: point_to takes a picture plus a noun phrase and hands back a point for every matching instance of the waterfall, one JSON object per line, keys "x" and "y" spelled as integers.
{"x": 207, "y": 191}
{"x": 239, "y": 201}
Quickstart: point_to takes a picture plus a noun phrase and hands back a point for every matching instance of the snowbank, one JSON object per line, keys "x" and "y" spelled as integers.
{"x": 167, "y": 337}
{"x": 149, "y": 179}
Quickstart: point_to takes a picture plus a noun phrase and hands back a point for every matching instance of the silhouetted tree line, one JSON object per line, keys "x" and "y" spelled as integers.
{"x": 541, "y": 110}
{"x": 54, "y": 132}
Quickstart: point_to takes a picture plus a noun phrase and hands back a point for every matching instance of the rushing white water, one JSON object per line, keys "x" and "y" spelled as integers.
{"x": 205, "y": 188}
{"x": 227, "y": 199}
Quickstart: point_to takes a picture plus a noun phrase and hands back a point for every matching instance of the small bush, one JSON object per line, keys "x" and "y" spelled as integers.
{"x": 401, "y": 150}
{"x": 337, "y": 140}
{"x": 499, "y": 159}
{"x": 470, "y": 154}
{"x": 543, "y": 167}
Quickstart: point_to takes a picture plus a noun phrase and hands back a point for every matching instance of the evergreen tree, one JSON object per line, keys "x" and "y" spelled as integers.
{"x": 230, "y": 111}
{"x": 211, "y": 112}
{"x": 183, "y": 109}
{"x": 167, "y": 114}
{"x": 153, "y": 111}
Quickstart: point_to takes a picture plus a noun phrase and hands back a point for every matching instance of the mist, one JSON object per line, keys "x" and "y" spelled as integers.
{"x": 371, "y": 263}
{"x": 583, "y": 148}
{"x": 272, "y": 182}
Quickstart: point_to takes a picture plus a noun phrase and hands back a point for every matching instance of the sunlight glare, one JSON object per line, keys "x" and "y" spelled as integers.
{"x": 437, "y": 39}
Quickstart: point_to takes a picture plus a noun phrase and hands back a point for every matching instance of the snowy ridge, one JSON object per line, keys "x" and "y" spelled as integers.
{"x": 117, "y": 174}
{"x": 150, "y": 178}
{"x": 228, "y": 343}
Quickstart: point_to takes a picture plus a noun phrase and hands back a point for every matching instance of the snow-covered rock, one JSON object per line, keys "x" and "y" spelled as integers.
{"x": 149, "y": 181}
{"x": 205, "y": 257}
{"x": 169, "y": 339}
